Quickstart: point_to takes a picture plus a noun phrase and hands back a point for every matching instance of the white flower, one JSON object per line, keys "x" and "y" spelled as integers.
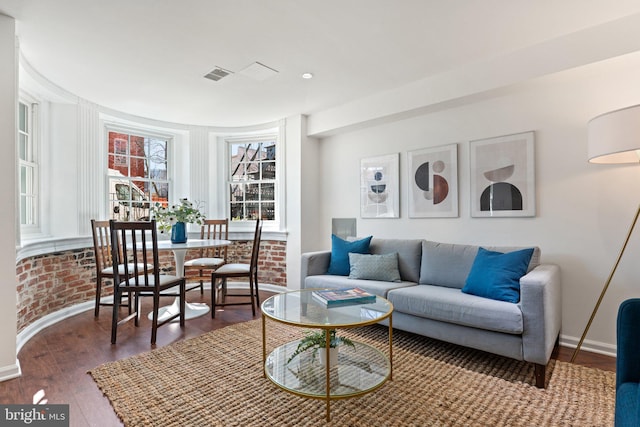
{"x": 184, "y": 212}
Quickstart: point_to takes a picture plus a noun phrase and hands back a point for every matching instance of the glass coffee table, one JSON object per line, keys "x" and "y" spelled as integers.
{"x": 358, "y": 370}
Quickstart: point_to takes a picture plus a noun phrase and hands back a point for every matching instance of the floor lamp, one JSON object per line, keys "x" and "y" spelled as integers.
{"x": 613, "y": 137}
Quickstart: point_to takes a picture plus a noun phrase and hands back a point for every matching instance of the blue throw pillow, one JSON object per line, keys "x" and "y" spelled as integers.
{"x": 496, "y": 275}
{"x": 339, "y": 264}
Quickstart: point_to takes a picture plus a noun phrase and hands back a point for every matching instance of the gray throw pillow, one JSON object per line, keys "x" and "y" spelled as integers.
{"x": 374, "y": 267}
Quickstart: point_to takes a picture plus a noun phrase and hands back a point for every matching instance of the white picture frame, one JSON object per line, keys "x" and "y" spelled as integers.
{"x": 380, "y": 186}
{"x": 502, "y": 175}
{"x": 433, "y": 182}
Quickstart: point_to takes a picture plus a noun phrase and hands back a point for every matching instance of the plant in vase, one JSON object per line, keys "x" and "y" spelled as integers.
{"x": 176, "y": 217}
{"x": 316, "y": 340}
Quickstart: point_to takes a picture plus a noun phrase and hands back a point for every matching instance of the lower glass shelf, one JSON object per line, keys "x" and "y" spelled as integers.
{"x": 358, "y": 371}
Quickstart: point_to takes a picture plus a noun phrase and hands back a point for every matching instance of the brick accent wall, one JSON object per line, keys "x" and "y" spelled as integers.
{"x": 50, "y": 282}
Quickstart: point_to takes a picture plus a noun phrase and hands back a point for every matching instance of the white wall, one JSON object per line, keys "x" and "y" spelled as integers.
{"x": 583, "y": 210}
{"x": 303, "y": 189}
{"x": 9, "y": 367}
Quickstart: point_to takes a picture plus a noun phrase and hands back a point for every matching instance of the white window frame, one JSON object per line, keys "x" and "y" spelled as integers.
{"x": 32, "y": 133}
{"x": 143, "y": 132}
{"x": 277, "y": 224}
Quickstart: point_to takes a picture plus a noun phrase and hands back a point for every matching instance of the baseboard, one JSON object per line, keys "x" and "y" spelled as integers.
{"x": 10, "y": 371}
{"x": 589, "y": 345}
{"x": 50, "y": 319}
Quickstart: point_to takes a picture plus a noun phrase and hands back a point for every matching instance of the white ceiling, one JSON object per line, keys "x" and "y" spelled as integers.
{"x": 148, "y": 57}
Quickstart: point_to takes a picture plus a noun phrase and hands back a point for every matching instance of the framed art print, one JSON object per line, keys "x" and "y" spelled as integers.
{"x": 503, "y": 176}
{"x": 433, "y": 182}
{"x": 380, "y": 187}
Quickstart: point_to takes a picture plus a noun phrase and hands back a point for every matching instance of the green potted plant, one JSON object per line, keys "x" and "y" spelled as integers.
{"x": 317, "y": 339}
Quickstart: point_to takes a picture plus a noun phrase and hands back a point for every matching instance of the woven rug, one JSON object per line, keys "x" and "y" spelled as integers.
{"x": 216, "y": 380}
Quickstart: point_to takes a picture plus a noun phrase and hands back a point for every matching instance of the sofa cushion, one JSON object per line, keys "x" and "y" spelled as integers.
{"x": 448, "y": 264}
{"x": 496, "y": 275}
{"x": 374, "y": 267}
{"x": 452, "y": 306}
{"x": 377, "y": 287}
{"x": 339, "y": 263}
{"x": 409, "y": 255}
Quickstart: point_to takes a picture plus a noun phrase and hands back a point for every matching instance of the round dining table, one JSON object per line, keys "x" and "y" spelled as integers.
{"x": 194, "y": 309}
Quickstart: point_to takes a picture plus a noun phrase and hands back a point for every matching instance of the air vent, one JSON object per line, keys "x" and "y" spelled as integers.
{"x": 217, "y": 73}
{"x": 258, "y": 71}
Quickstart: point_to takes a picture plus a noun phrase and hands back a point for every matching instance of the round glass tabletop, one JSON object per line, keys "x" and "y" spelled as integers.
{"x": 301, "y": 309}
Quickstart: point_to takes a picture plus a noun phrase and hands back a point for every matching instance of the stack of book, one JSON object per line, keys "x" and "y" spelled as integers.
{"x": 343, "y": 296}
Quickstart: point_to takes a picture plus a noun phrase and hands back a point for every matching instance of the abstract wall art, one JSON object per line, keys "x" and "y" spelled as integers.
{"x": 380, "y": 187}
{"x": 503, "y": 176}
{"x": 433, "y": 182}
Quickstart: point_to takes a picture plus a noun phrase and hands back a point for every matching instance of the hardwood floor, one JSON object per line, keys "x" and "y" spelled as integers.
{"x": 57, "y": 359}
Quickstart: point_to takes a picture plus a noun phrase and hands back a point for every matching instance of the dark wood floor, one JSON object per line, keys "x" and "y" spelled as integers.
{"x": 57, "y": 359}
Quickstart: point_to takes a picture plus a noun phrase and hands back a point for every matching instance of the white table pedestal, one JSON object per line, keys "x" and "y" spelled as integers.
{"x": 192, "y": 309}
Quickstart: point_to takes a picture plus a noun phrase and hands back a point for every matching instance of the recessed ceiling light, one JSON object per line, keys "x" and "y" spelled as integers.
{"x": 307, "y": 76}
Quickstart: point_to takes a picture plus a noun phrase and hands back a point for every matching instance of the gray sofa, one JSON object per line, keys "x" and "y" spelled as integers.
{"x": 428, "y": 300}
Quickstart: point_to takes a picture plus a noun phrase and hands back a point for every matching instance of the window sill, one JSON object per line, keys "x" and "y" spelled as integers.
{"x": 35, "y": 247}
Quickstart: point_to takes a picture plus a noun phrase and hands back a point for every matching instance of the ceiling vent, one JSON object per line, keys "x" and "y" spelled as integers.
{"x": 217, "y": 73}
{"x": 258, "y": 71}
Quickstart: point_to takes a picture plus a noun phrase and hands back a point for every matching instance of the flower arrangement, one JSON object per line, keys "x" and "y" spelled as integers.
{"x": 185, "y": 212}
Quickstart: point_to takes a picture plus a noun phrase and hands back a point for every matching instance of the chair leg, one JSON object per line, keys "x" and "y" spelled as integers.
{"x": 136, "y": 303}
{"x": 98, "y": 293}
{"x": 154, "y": 321}
{"x": 130, "y": 304}
{"x": 183, "y": 303}
{"x": 214, "y": 291}
{"x": 253, "y": 305}
{"x": 257, "y": 291}
{"x": 114, "y": 316}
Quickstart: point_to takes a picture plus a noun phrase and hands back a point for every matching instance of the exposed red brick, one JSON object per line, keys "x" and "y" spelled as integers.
{"x": 50, "y": 282}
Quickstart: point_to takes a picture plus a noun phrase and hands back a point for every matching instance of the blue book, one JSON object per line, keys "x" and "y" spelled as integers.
{"x": 343, "y": 296}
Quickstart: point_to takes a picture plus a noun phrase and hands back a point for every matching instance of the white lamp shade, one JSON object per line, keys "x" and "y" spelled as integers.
{"x": 614, "y": 137}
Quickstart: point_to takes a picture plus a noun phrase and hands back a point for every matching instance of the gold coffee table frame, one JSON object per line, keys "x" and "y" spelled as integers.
{"x": 364, "y": 369}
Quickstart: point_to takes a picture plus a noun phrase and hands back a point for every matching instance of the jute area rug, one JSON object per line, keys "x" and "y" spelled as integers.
{"x": 216, "y": 380}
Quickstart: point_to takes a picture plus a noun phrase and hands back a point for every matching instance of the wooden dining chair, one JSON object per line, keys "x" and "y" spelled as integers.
{"x": 209, "y": 259}
{"x": 238, "y": 270}
{"x": 139, "y": 245}
{"x": 102, "y": 255}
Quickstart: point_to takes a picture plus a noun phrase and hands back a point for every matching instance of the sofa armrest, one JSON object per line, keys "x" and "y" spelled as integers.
{"x": 313, "y": 264}
{"x": 541, "y": 304}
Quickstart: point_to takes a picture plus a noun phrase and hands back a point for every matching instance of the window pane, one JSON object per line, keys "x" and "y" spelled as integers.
{"x": 23, "y": 179}
{"x": 237, "y": 192}
{"x": 268, "y": 192}
{"x": 252, "y": 172}
{"x": 253, "y": 192}
{"x": 23, "y": 147}
{"x": 23, "y": 210}
{"x": 138, "y": 171}
{"x": 269, "y": 170}
{"x": 158, "y": 191}
{"x": 27, "y": 169}
{"x": 23, "y": 117}
{"x": 268, "y": 211}
{"x": 237, "y": 211}
{"x": 252, "y": 211}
